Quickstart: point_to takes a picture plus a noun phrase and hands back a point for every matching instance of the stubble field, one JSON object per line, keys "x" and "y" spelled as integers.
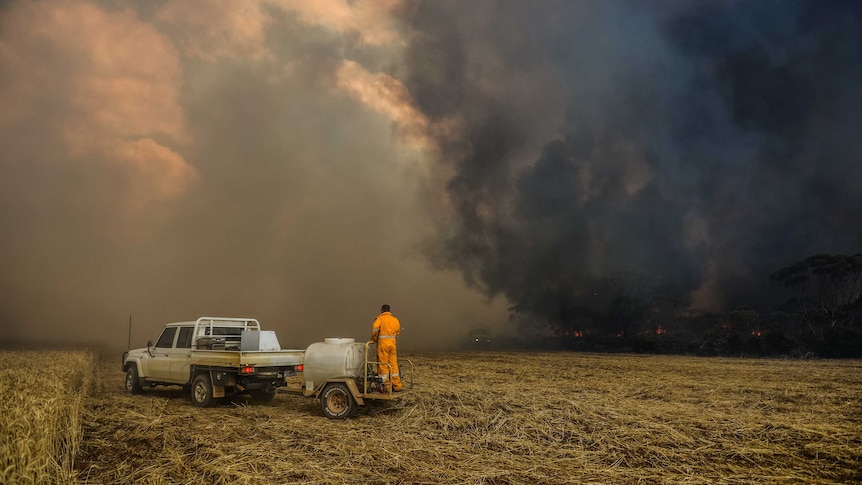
{"x": 472, "y": 418}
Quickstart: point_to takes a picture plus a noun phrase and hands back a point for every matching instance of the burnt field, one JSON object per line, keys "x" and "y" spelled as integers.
{"x": 504, "y": 418}
{"x": 472, "y": 418}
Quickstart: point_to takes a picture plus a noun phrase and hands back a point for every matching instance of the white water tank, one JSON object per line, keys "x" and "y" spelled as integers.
{"x": 334, "y": 357}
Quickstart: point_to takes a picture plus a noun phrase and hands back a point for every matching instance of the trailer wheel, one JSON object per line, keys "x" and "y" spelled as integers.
{"x": 133, "y": 384}
{"x": 202, "y": 391}
{"x": 337, "y": 402}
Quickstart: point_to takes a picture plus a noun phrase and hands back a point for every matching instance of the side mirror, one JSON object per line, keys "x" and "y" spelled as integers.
{"x": 150, "y": 347}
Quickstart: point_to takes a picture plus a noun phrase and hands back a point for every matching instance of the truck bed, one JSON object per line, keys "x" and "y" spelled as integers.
{"x": 236, "y": 358}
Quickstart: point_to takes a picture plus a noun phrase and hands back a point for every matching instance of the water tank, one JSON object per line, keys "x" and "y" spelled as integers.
{"x": 334, "y": 357}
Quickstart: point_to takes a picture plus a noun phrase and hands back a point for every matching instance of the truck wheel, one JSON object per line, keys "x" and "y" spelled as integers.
{"x": 202, "y": 391}
{"x": 337, "y": 402}
{"x": 133, "y": 384}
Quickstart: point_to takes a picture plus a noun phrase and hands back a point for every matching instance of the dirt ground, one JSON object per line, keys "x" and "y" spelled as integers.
{"x": 504, "y": 418}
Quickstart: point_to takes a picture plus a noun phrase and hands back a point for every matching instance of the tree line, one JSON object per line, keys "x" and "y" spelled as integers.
{"x": 819, "y": 315}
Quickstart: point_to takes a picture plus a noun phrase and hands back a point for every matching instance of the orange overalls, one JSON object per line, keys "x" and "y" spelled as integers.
{"x": 385, "y": 329}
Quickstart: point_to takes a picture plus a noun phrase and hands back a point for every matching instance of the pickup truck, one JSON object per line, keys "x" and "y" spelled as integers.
{"x": 212, "y": 358}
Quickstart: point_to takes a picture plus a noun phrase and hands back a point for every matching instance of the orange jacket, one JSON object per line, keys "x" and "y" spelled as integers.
{"x": 385, "y": 326}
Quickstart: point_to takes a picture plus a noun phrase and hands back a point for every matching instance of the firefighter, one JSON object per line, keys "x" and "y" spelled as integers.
{"x": 386, "y": 327}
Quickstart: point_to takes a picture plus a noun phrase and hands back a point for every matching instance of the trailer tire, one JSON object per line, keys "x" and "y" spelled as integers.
{"x": 202, "y": 391}
{"x": 337, "y": 402}
{"x": 133, "y": 383}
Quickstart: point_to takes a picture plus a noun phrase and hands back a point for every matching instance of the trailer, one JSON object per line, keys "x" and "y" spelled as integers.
{"x": 339, "y": 372}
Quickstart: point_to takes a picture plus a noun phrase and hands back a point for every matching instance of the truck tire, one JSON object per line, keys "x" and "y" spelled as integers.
{"x": 202, "y": 391}
{"x": 337, "y": 402}
{"x": 133, "y": 384}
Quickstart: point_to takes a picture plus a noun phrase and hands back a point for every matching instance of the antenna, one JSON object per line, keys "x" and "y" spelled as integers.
{"x": 130, "y": 333}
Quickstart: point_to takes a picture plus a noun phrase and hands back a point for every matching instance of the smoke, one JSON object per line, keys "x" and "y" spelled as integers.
{"x": 706, "y": 144}
{"x": 303, "y": 162}
{"x": 177, "y": 159}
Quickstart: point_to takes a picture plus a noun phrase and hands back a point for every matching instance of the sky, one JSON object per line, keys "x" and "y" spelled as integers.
{"x": 304, "y": 163}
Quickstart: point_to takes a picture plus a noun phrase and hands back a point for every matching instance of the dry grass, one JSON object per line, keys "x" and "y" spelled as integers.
{"x": 40, "y": 417}
{"x": 504, "y": 418}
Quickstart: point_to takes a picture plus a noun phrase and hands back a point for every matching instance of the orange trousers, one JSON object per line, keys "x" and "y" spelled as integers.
{"x": 386, "y": 355}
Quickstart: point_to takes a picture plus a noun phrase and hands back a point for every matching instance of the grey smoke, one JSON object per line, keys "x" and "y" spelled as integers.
{"x": 703, "y": 143}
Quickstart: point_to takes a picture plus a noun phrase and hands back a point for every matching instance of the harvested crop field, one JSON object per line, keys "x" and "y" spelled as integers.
{"x": 502, "y": 418}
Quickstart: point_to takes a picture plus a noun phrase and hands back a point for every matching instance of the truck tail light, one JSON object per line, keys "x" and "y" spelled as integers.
{"x": 299, "y": 368}
{"x": 246, "y": 369}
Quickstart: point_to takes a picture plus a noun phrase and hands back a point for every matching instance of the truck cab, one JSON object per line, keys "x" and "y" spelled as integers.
{"x": 169, "y": 358}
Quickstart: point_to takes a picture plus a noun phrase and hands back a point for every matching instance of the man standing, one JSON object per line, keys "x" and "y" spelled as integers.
{"x": 386, "y": 327}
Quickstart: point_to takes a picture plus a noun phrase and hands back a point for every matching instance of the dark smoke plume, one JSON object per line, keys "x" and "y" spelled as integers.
{"x": 703, "y": 143}
{"x": 283, "y": 160}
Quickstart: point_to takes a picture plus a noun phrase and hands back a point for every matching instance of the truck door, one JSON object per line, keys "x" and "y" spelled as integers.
{"x": 181, "y": 356}
{"x": 159, "y": 366}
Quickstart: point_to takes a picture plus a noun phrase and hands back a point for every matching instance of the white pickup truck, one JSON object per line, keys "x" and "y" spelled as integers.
{"x": 213, "y": 357}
